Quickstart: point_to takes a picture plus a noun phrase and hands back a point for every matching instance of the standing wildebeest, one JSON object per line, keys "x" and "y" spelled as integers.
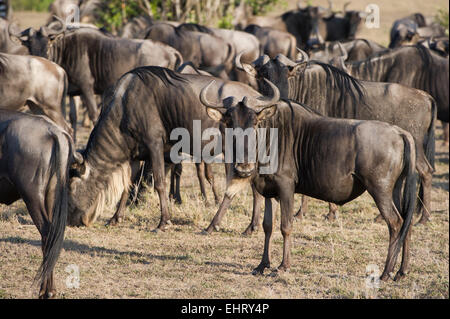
{"x": 94, "y": 61}
{"x": 21, "y": 84}
{"x": 202, "y": 49}
{"x": 35, "y": 156}
{"x": 330, "y": 159}
{"x": 341, "y": 26}
{"x": 413, "y": 66}
{"x": 274, "y": 42}
{"x": 332, "y": 92}
{"x": 135, "y": 125}
{"x": 358, "y": 49}
{"x": 302, "y": 23}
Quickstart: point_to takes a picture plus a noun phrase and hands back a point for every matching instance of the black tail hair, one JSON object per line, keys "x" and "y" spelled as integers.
{"x": 56, "y": 227}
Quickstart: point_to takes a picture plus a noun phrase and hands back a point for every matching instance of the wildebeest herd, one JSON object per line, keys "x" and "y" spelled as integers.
{"x": 352, "y": 116}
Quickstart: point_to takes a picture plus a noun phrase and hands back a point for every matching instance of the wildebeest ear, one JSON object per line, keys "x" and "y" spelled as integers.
{"x": 299, "y": 68}
{"x": 217, "y": 114}
{"x": 267, "y": 113}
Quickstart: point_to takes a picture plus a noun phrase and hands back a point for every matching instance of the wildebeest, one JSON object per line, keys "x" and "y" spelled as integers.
{"x": 135, "y": 125}
{"x": 437, "y": 44}
{"x": 136, "y": 27}
{"x": 202, "y": 49}
{"x": 332, "y": 92}
{"x": 274, "y": 42}
{"x": 94, "y": 61}
{"x": 35, "y": 156}
{"x": 330, "y": 159}
{"x": 413, "y": 66}
{"x": 341, "y": 26}
{"x": 356, "y": 50}
{"x": 302, "y": 23}
{"x": 21, "y": 85}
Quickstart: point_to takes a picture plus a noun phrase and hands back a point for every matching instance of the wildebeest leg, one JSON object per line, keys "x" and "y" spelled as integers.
{"x": 201, "y": 179}
{"x": 424, "y": 204}
{"x": 157, "y": 157}
{"x": 210, "y": 177}
{"x": 175, "y": 178}
{"x": 332, "y": 210}
{"x": 119, "y": 214}
{"x": 256, "y": 214}
{"x": 88, "y": 99}
{"x": 73, "y": 116}
{"x": 303, "y": 207}
{"x": 384, "y": 202}
{"x": 287, "y": 216}
{"x": 268, "y": 228}
{"x": 445, "y": 127}
{"x": 405, "y": 257}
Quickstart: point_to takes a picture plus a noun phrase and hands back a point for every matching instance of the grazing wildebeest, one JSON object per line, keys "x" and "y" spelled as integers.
{"x": 341, "y": 26}
{"x": 35, "y": 156}
{"x": 274, "y": 42}
{"x": 330, "y": 159}
{"x": 21, "y": 85}
{"x": 6, "y": 44}
{"x": 94, "y": 61}
{"x": 332, "y": 92}
{"x": 413, "y": 66}
{"x": 358, "y": 49}
{"x": 135, "y": 125}
{"x": 202, "y": 49}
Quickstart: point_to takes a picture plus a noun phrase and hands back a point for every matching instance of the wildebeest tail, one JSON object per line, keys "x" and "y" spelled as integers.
{"x": 409, "y": 177}
{"x": 430, "y": 140}
{"x": 63, "y": 99}
{"x": 59, "y": 172}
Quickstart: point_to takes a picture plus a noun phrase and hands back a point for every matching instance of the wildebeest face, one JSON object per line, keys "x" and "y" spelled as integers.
{"x": 354, "y": 22}
{"x": 404, "y": 36}
{"x": 81, "y": 206}
{"x": 243, "y": 119}
{"x": 35, "y": 41}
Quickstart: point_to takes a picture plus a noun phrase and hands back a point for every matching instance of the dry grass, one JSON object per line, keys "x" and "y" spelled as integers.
{"x": 329, "y": 259}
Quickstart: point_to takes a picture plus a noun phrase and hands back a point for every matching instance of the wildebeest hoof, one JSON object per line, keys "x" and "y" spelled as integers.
{"x": 205, "y": 232}
{"x": 113, "y": 222}
{"x": 330, "y": 217}
{"x": 423, "y": 220}
{"x": 378, "y": 219}
{"x": 48, "y": 295}
{"x": 216, "y": 228}
{"x": 259, "y": 271}
{"x": 156, "y": 230}
{"x": 249, "y": 231}
{"x": 400, "y": 274}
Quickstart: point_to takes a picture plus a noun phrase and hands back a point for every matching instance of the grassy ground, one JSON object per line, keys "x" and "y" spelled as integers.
{"x": 329, "y": 259}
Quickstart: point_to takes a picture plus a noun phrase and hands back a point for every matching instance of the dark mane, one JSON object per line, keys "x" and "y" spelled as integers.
{"x": 166, "y": 76}
{"x": 342, "y": 81}
{"x": 195, "y": 27}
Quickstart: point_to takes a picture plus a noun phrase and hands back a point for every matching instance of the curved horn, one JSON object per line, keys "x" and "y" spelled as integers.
{"x": 263, "y": 102}
{"x": 344, "y": 53}
{"x": 261, "y": 60}
{"x": 303, "y": 56}
{"x": 285, "y": 60}
{"x": 345, "y": 6}
{"x": 78, "y": 158}
{"x": 205, "y": 101}
{"x": 237, "y": 61}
